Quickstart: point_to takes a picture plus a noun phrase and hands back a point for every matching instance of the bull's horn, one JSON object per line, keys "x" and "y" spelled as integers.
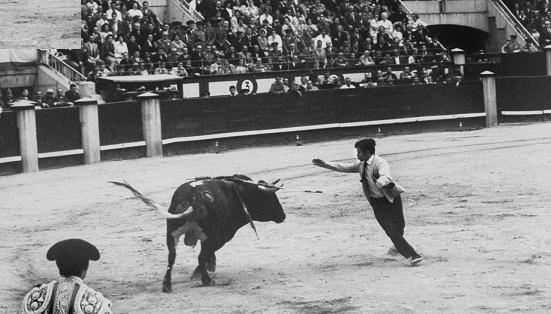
{"x": 276, "y": 181}
{"x": 269, "y": 188}
{"x": 151, "y": 203}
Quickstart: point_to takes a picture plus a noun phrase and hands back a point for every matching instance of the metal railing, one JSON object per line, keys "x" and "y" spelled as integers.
{"x": 46, "y": 57}
{"x": 409, "y": 12}
{"x": 514, "y": 22}
{"x": 193, "y": 13}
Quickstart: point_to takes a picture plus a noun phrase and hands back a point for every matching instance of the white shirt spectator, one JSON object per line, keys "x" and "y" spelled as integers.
{"x": 387, "y": 24}
{"x": 347, "y": 86}
{"x": 265, "y": 16}
{"x": 110, "y": 14}
{"x": 275, "y": 38}
{"x": 325, "y": 40}
{"x": 120, "y": 48}
{"x": 135, "y": 12}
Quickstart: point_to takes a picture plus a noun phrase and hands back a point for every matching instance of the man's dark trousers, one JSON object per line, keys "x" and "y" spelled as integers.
{"x": 391, "y": 217}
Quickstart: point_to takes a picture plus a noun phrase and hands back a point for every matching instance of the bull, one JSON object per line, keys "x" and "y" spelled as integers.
{"x": 211, "y": 210}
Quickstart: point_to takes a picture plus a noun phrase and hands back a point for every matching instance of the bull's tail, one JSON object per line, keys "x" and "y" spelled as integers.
{"x": 154, "y": 205}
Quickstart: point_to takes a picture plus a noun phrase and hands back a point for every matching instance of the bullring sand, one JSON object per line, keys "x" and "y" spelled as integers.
{"x": 476, "y": 206}
{"x": 40, "y": 24}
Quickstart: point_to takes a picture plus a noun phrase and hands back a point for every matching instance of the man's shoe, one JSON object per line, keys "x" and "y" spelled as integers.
{"x": 415, "y": 260}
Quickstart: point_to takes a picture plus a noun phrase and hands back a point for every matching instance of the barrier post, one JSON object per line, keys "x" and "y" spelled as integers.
{"x": 26, "y": 123}
{"x": 547, "y": 50}
{"x": 489, "y": 93}
{"x": 89, "y": 126}
{"x": 151, "y": 121}
{"x": 459, "y": 59}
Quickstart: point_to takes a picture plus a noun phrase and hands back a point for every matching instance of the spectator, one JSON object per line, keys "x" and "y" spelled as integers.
{"x": 310, "y": 86}
{"x": 511, "y": 46}
{"x": 48, "y": 100}
{"x": 38, "y": 99}
{"x": 24, "y": 95}
{"x": 60, "y": 100}
{"x": 406, "y": 76}
{"x": 278, "y": 87}
{"x": 348, "y": 84}
{"x": 233, "y": 91}
{"x": 390, "y": 74}
{"x": 72, "y": 94}
{"x": 366, "y": 59}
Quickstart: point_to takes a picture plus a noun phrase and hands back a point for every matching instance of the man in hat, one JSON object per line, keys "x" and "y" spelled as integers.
{"x": 48, "y": 99}
{"x": 511, "y": 46}
{"x": 69, "y": 294}
{"x": 382, "y": 193}
{"x": 72, "y": 94}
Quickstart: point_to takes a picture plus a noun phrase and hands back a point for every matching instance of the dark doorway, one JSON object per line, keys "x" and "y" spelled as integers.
{"x": 455, "y": 36}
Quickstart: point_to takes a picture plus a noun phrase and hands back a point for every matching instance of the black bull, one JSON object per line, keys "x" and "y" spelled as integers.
{"x": 212, "y": 210}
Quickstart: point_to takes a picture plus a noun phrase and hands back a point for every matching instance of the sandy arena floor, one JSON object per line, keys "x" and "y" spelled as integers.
{"x": 40, "y": 24}
{"x": 477, "y": 207}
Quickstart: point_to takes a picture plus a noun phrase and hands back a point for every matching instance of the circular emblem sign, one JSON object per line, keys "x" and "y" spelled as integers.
{"x": 246, "y": 86}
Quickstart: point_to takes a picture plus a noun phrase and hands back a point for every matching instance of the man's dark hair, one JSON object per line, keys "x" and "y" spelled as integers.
{"x": 72, "y": 267}
{"x": 366, "y": 144}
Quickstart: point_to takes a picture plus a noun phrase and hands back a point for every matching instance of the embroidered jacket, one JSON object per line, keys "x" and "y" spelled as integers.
{"x": 65, "y": 296}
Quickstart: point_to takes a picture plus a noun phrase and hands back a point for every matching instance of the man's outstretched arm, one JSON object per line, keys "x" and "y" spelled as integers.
{"x": 351, "y": 168}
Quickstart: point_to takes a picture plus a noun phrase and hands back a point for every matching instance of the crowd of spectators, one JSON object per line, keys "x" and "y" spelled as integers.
{"x": 123, "y": 37}
{"x": 535, "y": 15}
{"x": 379, "y": 78}
{"x": 48, "y": 99}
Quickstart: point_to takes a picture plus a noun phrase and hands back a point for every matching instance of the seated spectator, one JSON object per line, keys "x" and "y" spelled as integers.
{"x": 233, "y": 91}
{"x": 366, "y": 59}
{"x": 390, "y": 74}
{"x": 406, "y": 76}
{"x": 48, "y": 100}
{"x": 278, "y": 87}
{"x": 347, "y": 84}
{"x": 545, "y": 35}
{"x": 72, "y": 94}
{"x": 60, "y": 100}
{"x": 511, "y": 46}
{"x": 310, "y": 86}
{"x": 24, "y": 95}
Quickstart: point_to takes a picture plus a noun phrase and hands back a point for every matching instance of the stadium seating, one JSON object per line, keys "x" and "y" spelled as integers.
{"x": 239, "y": 36}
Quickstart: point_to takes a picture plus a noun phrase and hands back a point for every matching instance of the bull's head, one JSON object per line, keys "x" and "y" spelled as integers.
{"x": 262, "y": 201}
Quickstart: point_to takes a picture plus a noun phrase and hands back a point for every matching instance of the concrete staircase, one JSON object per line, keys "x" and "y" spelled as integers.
{"x": 181, "y": 11}
{"x": 490, "y": 16}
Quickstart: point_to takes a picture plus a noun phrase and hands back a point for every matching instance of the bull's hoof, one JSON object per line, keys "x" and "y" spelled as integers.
{"x": 167, "y": 287}
{"x": 196, "y": 274}
{"x": 211, "y": 267}
{"x": 208, "y": 282}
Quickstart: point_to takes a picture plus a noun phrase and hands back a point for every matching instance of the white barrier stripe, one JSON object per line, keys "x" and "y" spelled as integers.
{"x": 319, "y": 127}
{"x": 258, "y": 132}
{"x": 547, "y": 111}
{"x": 525, "y": 113}
{"x": 9, "y": 159}
{"x": 61, "y": 153}
{"x": 122, "y": 145}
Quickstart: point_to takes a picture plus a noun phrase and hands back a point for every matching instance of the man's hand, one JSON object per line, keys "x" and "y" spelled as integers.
{"x": 318, "y": 162}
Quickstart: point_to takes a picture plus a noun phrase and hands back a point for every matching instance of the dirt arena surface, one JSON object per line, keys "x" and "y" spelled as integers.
{"x": 40, "y": 24}
{"x": 476, "y": 206}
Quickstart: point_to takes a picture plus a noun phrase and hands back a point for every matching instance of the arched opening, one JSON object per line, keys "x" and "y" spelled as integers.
{"x": 456, "y": 36}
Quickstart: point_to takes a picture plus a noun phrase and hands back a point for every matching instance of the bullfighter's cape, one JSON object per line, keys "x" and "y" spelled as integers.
{"x": 65, "y": 296}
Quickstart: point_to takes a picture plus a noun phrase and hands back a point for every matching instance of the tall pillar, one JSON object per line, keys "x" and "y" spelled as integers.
{"x": 151, "y": 122}
{"x": 89, "y": 126}
{"x": 459, "y": 59}
{"x": 26, "y": 123}
{"x": 547, "y": 50}
{"x": 489, "y": 93}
